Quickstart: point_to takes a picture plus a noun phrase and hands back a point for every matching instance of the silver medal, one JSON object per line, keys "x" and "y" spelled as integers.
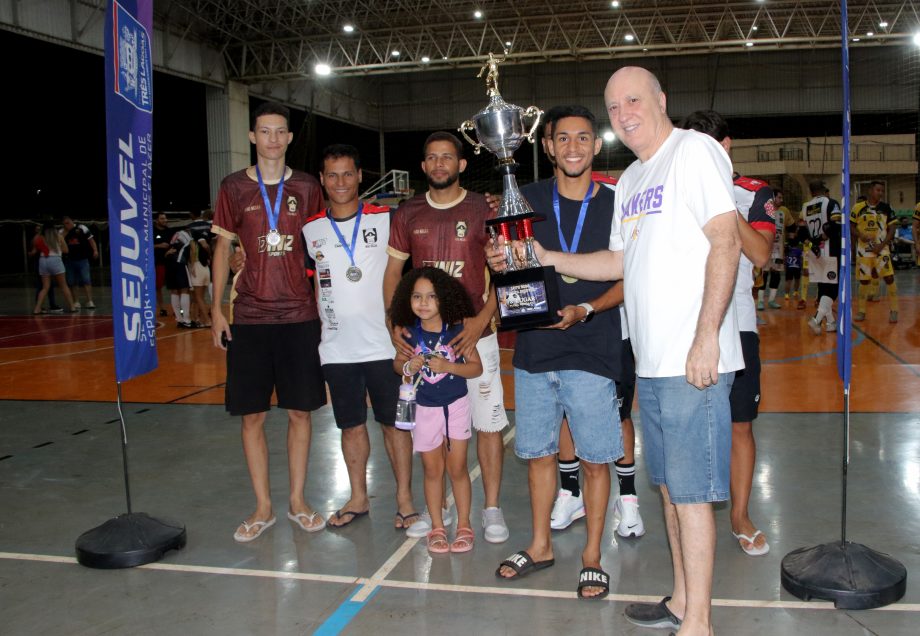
{"x": 273, "y": 238}
{"x": 353, "y": 274}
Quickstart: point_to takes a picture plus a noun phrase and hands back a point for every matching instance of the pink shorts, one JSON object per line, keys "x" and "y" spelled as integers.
{"x": 431, "y": 427}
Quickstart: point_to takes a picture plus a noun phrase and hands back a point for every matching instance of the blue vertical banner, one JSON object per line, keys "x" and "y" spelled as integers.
{"x": 844, "y": 317}
{"x": 129, "y": 154}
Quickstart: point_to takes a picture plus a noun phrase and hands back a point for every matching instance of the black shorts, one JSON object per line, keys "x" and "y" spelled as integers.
{"x": 745, "y": 394}
{"x": 276, "y": 357}
{"x": 351, "y": 383}
{"x": 626, "y": 387}
{"x": 176, "y": 275}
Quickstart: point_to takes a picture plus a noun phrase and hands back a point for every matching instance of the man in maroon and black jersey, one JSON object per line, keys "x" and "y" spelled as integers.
{"x": 273, "y": 342}
{"x": 445, "y": 228}
{"x": 757, "y": 226}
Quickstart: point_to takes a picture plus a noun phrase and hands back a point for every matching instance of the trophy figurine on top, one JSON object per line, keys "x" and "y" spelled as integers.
{"x": 527, "y": 292}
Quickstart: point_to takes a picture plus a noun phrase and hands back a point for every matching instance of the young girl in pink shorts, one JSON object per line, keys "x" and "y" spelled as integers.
{"x": 431, "y": 305}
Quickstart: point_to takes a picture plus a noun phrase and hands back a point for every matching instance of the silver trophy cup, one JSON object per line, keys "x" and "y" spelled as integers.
{"x": 500, "y": 129}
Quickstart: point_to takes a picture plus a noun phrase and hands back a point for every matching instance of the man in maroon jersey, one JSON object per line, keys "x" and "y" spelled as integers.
{"x": 273, "y": 342}
{"x": 445, "y": 228}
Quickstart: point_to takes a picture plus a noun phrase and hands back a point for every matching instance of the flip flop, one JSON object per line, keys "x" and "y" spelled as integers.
{"x": 753, "y": 550}
{"x": 404, "y": 518}
{"x": 260, "y": 526}
{"x": 593, "y": 577}
{"x": 354, "y": 515}
{"x": 305, "y": 521}
{"x": 522, "y": 564}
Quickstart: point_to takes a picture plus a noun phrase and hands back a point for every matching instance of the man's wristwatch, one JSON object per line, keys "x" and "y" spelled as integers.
{"x": 590, "y": 311}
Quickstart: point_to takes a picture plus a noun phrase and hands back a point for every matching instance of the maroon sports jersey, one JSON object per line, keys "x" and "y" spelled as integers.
{"x": 452, "y": 239}
{"x": 273, "y": 286}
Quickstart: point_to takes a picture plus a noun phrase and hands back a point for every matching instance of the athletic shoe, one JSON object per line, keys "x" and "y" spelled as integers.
{"x": 774, "y": 305}
{"x": 90, "y": 305}
{"x": 627, "y": 508}
{"x": 761, "y": 321}
{"x": 76, "y": 306}
{"x": 422, "y": 527}
{"x": 568, "y": 508}
{"x": 801, "y": 304}
{"x": 184, "y": 325}
{"x": 759, "y": 305}
{"x": 56, "y": 310}
{"x": 830, "y": 325}
{"x": 814, "y": 325}
{"x": 892, "y": 317}
{"x": 652, "y": 615}
{"x": 495, "y": 530}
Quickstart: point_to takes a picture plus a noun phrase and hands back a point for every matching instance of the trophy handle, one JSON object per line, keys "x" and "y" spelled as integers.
{"x": 465, "y": 126}
{"x": 536, "y": 113}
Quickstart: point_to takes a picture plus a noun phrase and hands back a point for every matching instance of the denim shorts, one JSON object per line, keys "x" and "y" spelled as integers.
{"x": 78, "y": 272}
{"x": 589, "y": 402}
{"x": 50, "y": 265}
{"x": 687, "y": 437}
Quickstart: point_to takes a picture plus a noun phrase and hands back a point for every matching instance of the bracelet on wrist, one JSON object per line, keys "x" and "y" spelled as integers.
{"x": 406, "y": 371}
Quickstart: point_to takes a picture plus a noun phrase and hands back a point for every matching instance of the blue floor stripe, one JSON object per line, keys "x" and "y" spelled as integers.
{"x": 343, "y": 615}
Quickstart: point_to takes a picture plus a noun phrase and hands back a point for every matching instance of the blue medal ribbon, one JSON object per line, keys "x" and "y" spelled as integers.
{"x": 272, "y": 212}
{"x": 349, "y": 249}
{"x": 579, "y": 226}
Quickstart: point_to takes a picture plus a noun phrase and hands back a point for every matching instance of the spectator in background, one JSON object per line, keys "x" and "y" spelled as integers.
{"x": 177, "y": 277}
{"x": 199, "y": 270}
{"x": 81, "y": 246}
{"x": 49, "y": 245}
{"x": 162, "y": 234}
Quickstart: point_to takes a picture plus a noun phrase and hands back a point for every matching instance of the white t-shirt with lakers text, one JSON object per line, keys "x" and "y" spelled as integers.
{"x": 662, "y": 206}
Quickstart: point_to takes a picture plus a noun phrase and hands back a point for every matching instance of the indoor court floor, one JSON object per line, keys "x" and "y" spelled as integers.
{"x": 61, "y": 474}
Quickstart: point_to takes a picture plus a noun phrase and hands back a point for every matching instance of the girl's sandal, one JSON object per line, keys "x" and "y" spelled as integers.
{"x": 437, "y": 541}
{"x": 463, "y": 542}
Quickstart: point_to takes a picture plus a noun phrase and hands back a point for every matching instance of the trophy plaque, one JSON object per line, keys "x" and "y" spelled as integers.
{"x": 527, "y": 292}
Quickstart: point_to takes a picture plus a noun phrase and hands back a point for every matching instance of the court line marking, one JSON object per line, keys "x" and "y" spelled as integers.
{"x": 448, "y": 587}
{"x": 912, "y": 368}
{"x": 76, "y": 353}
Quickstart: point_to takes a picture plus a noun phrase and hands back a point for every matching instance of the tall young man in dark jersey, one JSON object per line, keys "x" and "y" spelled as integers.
{"x": 273, "y": 342}
{"x": 571, "y": 369}
{"x": 445, "y": 228}
{"x": 759, "y": 227}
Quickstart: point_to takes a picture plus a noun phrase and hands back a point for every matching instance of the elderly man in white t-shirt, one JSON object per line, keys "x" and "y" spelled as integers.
{"x": 675, "y": 240}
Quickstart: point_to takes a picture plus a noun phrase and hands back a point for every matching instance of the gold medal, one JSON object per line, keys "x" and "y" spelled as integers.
{"x": 569, "y": 279}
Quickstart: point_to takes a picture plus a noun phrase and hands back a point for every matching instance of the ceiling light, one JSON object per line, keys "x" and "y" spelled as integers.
{"x": 917, "y": 39}
{"x": 754, "y": 28}
{"x": 748, "y": 44}
{"x": 444, "y": 58}
{"x": 477, "y": 14}
{"x": 882, "y": 24}
{"x": 609, "y": 136}
{"x": 395, "y": 53}
{"x": 869, "y": 34}
{"x": 630, "y": 37}
{"x": 856, "y": 39}
{"x": 322, "y": 69}
{"x": 508, "y": 43}
{"x": 425, "y": 59}
{"x": 615, "y": 4}
{"x": 348, "y": 28}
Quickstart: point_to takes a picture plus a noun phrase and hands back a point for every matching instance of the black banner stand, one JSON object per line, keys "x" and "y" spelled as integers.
{"x": 130, "y": 539}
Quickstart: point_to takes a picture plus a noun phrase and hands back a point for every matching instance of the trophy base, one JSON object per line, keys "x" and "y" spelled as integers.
{"x": 527, "y": 298}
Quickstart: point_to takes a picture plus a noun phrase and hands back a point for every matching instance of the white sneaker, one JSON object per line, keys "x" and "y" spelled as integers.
{"x": 568, "y": 508}
{"x": 422, "y": 527}
{"x": 627, "y": 508}
{"x": 815, "y": 326}
{"x": 90, "y": 305}
{"x": 830, "y": 325}
{"x": 76, "y": 306}
{"x": 495, "y": 530}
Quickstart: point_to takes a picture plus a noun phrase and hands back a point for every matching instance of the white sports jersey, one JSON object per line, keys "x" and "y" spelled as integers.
{"x": 352, "y": 313}
{"x": 818, "y": 212}
{"x": 661, "y": 208}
